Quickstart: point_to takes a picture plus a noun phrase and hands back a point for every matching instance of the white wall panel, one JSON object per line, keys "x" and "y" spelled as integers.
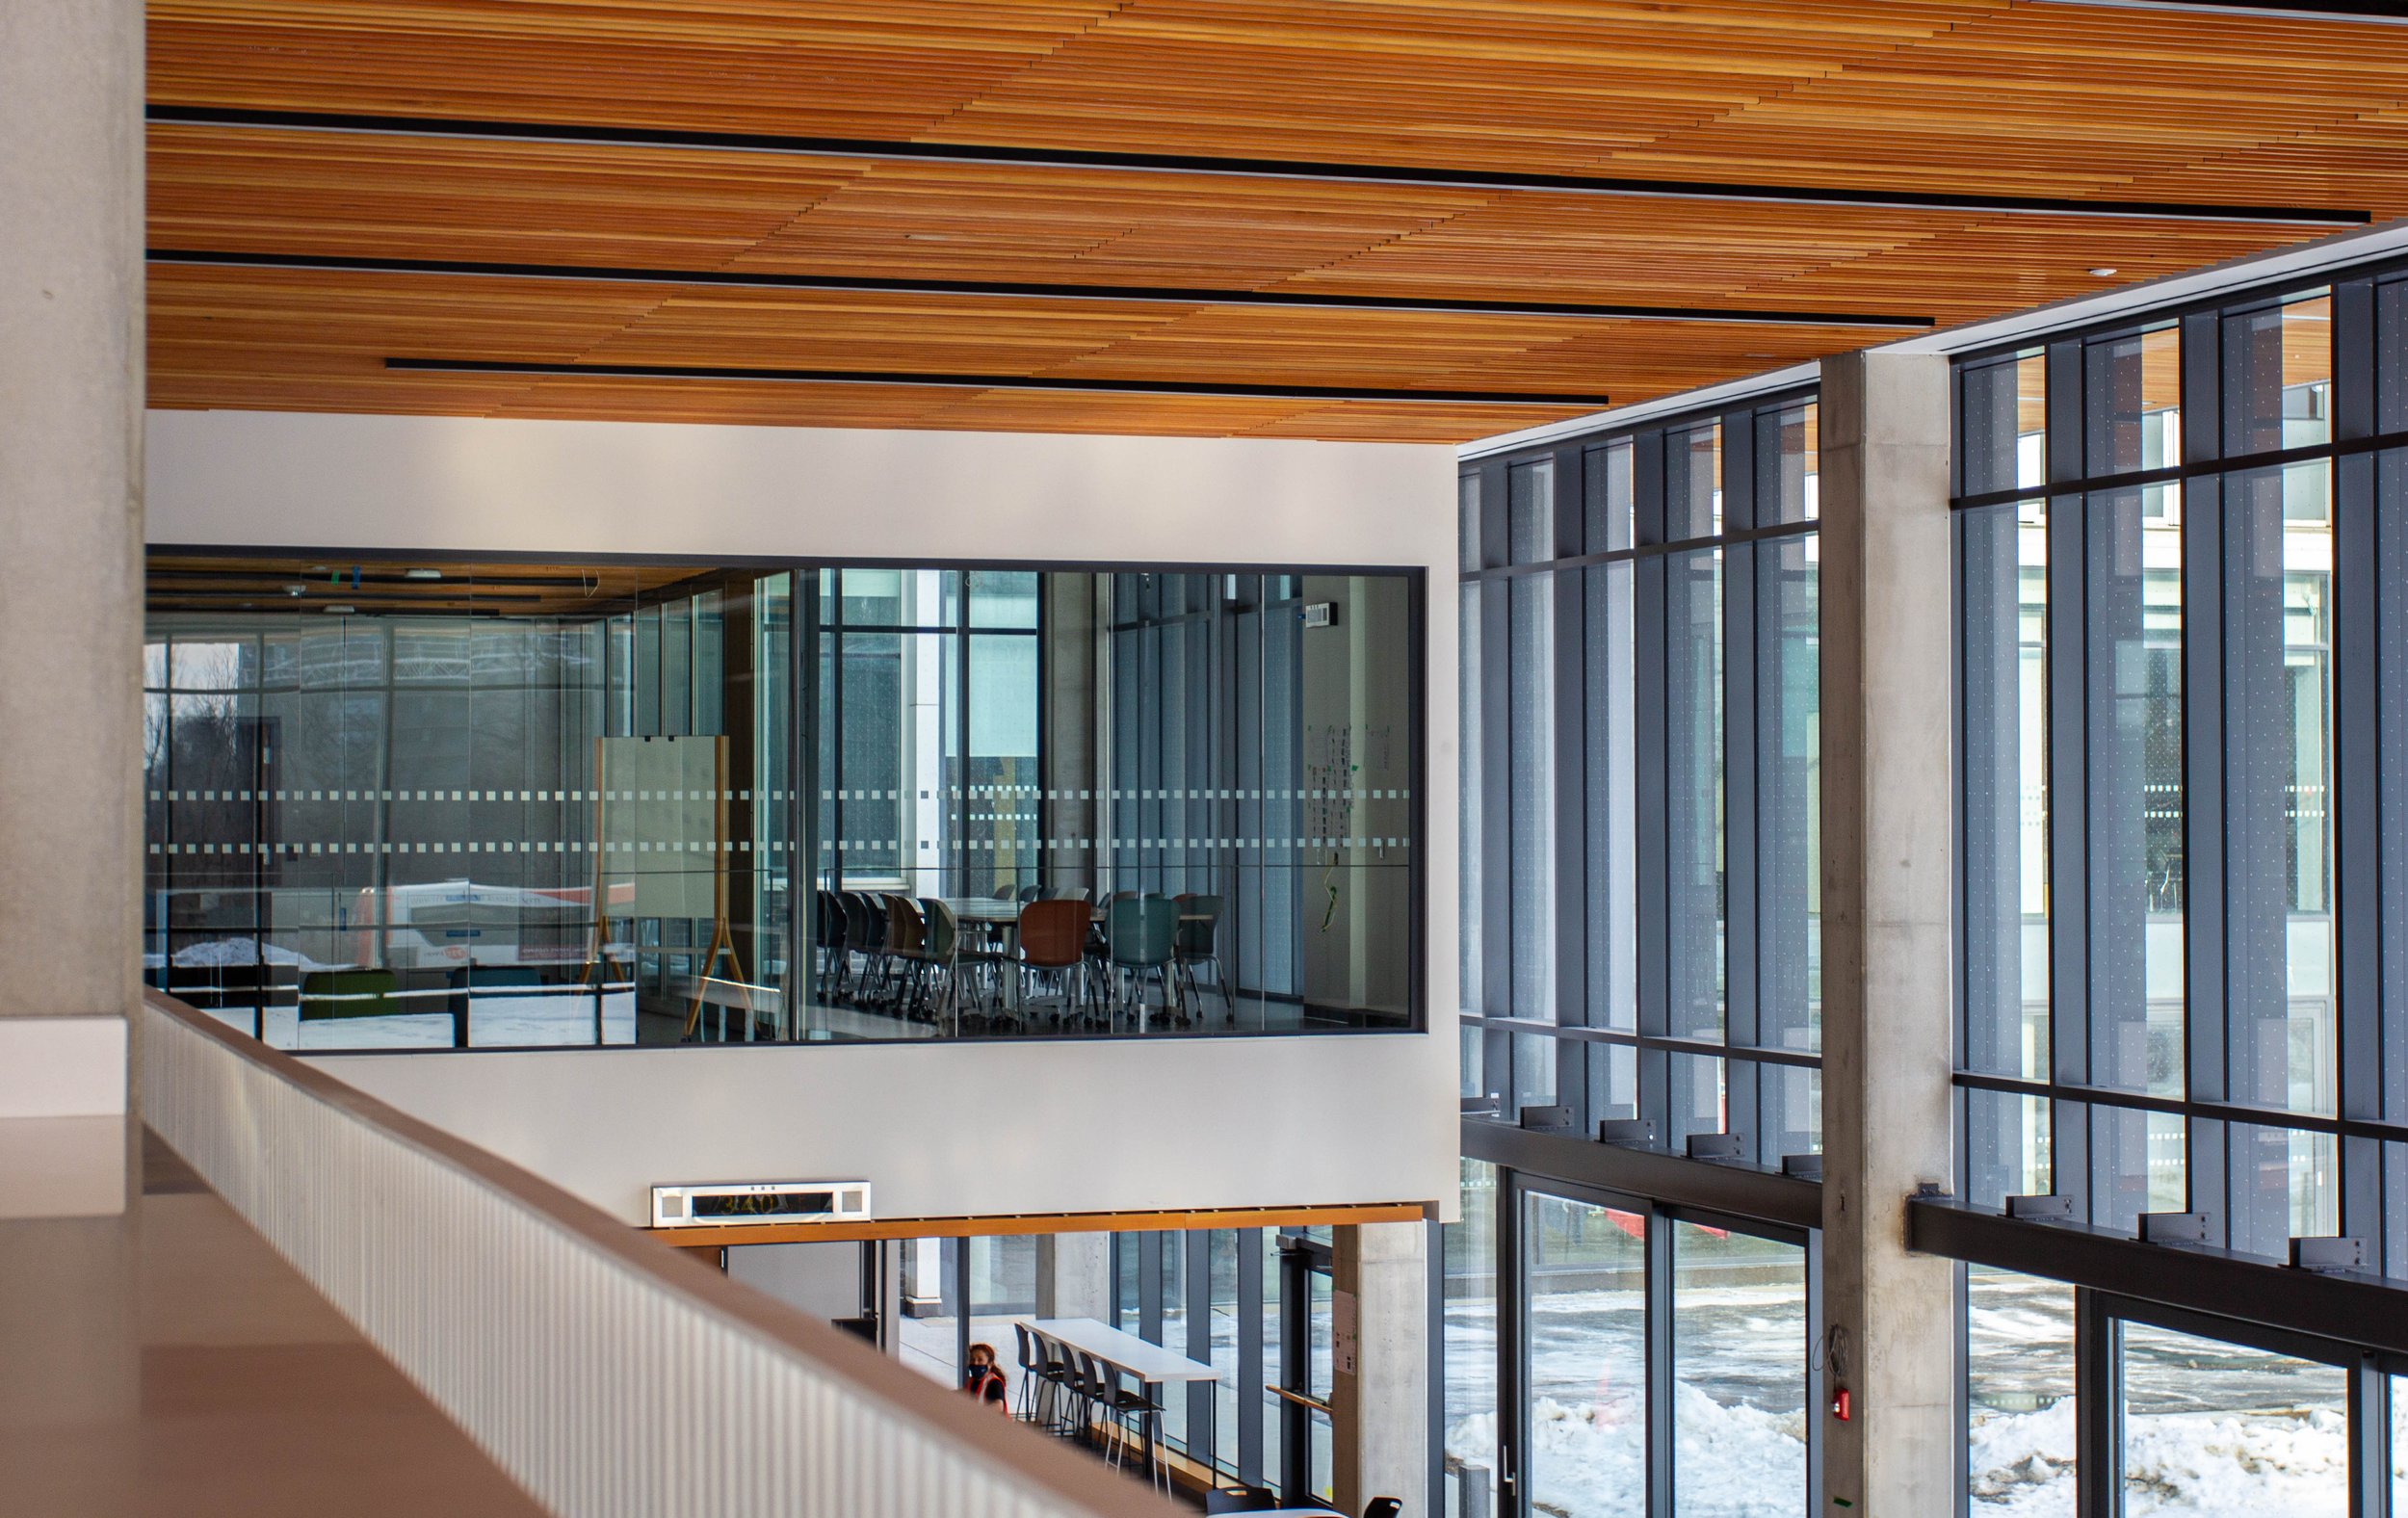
{"x": 941, "y": 1130}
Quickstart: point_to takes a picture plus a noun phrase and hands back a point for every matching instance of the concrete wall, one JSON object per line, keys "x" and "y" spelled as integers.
{"x": 974, "y": 1129}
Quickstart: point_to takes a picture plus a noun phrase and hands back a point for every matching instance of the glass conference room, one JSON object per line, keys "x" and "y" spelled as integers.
{"x": 433, "y": 803}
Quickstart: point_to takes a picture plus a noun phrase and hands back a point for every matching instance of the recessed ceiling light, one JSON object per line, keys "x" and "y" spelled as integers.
{"x": 422, "y": 574}
{"x": 2103, "y": 271}
{"x": 341, "y": 611}
{"x": 296, "y": 588}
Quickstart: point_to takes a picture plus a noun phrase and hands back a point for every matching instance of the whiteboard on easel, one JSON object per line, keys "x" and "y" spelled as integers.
{"x": 659, "y": 823}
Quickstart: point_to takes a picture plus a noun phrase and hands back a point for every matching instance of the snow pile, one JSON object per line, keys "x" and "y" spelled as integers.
{"x": 2201, "y": 1465}
{"x": 2021, "y": 1465}
{"x": 1590, "y": 1461}
{"x": 218, "y": 952}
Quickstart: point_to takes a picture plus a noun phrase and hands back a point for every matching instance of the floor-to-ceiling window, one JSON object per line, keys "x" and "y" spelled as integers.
{"x": 1607, "y": 1354}
{"x": 1642, "y": 842}
{"x": 2183, "y": 640}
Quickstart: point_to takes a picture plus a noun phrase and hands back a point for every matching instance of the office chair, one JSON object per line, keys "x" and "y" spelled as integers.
{"x": 1383, "y": 1507}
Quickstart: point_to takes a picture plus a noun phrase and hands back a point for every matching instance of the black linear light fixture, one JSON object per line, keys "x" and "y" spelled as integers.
{"x": 953, "y": 381}
{"x": 1285, "y": 300}
{"x": 982, "y": 153}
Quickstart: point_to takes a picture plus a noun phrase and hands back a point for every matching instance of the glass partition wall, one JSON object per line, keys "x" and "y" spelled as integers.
{"x": 428, "y": 803}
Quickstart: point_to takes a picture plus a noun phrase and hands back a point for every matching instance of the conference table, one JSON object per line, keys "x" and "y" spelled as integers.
{"x": 998, "y": 917}
{"x": 1150, "y": 1364}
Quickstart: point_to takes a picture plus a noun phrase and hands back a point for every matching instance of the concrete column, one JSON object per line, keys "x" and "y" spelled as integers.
{"x": 1888, "y": 779}
{"x": 70, "y": 551}
{"x": 1379, "y": 1398}
{"x": 1074, "y": 1275}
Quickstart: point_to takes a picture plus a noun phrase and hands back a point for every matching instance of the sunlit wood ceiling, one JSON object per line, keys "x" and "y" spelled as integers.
{"x": 1974, "y": 101}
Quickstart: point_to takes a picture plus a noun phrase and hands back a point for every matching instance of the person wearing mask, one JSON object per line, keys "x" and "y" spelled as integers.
{"x": 984, "y": 1379}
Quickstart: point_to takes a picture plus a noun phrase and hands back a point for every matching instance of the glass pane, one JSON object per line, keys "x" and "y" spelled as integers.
{"x": 1699, "y": 1104}
{"x": 1788, "y": 465}
{"x": 929, "y": 1333}
{"x": 2391, "y": 356}
{"x": 1693, "y": 898}
{"x": 2390, "y": 716}
{"x": 1788, "y": 796}
{"x": 1530, "y": 510}
{"x": 1470, "y": 1311}
{"x": 1610, "y": 816}
{"x": 2278, "y": 377}
{"x": 1532, "y": 800}
{"x": 2285, "y": 1184}
{"x": 2007, "y": 1148}
{"x": 2137, "y": 881}
{"x": 1001, "y": 776}
{"x": 2133, "y": 399}
{"x": 1586, "y": 1290}
{"x": 2003, "y": 421}
{"x": 1469, "y": 849}
{"x": 2278, "y": 773}
{"x": 2399, "y": 1444}
{"x": 1789, "y": 1109}
{"x": 2006, "y": 799}
{"x": 1607, "y": 482}
{"x": 1003, "y": 598}
{"x": 2209, "y": 1427}
{"x": 1533, "y": 1070}
{"x": 1467, "y": 522}
{"x": 2138, "y": 1164}
{"x": 1693, "y": 470}
{"x": 1738, "y": 1369}
{"x": 2019, "y": 1394}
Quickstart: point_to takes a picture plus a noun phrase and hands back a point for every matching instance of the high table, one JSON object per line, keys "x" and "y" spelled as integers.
{"x": 1150, "y": 1363}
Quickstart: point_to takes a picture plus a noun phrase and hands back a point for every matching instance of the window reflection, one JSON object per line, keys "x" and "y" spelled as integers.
{"x": 1585, "y": 1285}
{"x": 443, "y": 805}
{"x": 1739, "y": 1367}
{"x": 2019, "y": 1394}
{"x": 2209, "y": 1427}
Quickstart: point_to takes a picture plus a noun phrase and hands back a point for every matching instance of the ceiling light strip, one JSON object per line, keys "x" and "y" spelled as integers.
{"x": 1286, "y": 300}
{"x": 951, "y": 382}
{"x": 988, "y": 154}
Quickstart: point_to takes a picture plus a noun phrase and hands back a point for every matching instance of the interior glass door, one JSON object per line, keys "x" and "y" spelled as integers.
{"x": 1307, "y": 1367}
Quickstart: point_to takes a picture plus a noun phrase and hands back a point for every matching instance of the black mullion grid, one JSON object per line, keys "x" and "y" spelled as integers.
{"x": 2068, "y": 775}
{"x": 1742, "y": 847}
{"x": 2207, "y": 841}
{"x": 1648, "y": 594}
{"x": 1569, "y": 647}
{"x": 2357, "y": 802}
{"x": 2189, "y": 1107}
{"x": 1657, "y": 548}
{"x": 1150, "y": 1286}
{"x": 1495, "y": 801}
{"x": 802, "y": 775}
{"x": 1251, "y": 1407}
{"x": 1662, "y": 1424}
{"x": 2098, "y": 1407}
{"x": 1513, "y": 1345}
{"x": 1201, "y": 1440}
{"x": 2369, "y": 1438}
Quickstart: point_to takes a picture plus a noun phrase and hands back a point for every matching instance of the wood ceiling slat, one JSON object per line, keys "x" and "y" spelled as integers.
{"x": 1952, "y": 96}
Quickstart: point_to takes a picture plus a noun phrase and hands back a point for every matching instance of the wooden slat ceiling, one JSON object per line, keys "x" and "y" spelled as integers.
{"x": 1959, "y": 98}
